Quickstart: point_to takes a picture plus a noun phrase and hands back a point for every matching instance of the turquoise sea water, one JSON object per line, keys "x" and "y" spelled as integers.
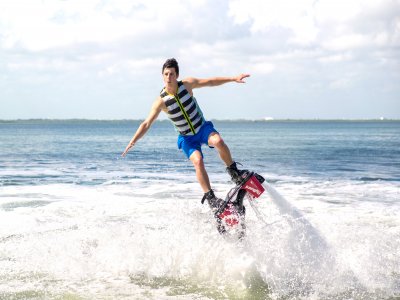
{"x": 79, "y": 222}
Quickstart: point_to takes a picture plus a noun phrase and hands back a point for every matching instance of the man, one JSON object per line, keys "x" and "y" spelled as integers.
{"x": 177, "y": 101}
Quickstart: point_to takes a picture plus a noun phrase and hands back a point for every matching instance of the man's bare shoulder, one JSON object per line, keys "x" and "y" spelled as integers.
{"x": 159, "y": 104}
{"x": 190, "y": 82}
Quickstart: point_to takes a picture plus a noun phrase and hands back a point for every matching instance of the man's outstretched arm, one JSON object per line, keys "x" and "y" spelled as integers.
{"x": 145, "y": 125}
{"x": 194, "y": 83}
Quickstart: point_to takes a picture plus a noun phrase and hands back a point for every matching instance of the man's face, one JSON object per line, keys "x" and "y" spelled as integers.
{"x": 169, "y": 75}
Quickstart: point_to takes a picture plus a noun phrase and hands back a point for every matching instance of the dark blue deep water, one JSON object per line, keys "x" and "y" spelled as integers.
{"x": 88, "y": 152}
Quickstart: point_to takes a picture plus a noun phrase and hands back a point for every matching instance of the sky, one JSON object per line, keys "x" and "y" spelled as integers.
{"x": 100, "y": 59}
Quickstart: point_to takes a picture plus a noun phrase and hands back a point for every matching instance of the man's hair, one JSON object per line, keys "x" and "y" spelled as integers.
{"x": 171, "y": 63}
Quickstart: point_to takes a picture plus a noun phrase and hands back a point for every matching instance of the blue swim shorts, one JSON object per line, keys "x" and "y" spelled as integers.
{"x": 191, "y": 143}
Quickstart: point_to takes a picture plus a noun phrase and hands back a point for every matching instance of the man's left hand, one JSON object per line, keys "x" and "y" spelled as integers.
{"x": 240, "y": 78}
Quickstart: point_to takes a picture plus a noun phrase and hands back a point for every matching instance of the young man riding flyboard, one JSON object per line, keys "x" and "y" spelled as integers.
{"x": 177, "y": 101}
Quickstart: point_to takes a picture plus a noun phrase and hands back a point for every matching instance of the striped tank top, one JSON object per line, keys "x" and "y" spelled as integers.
{"x": 183, "y": 110}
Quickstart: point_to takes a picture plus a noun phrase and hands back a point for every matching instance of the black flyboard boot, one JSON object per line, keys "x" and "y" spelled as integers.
{"x": 215, "y": 205}
{"x": 214, "y": 202}
{"x": 236, "y": 174}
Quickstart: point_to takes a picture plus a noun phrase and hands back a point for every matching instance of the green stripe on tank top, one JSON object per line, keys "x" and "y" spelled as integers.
{"x": 185, "y": 114}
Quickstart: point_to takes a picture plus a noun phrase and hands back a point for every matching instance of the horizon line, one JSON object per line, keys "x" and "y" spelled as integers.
{"x": 212, "y": 119}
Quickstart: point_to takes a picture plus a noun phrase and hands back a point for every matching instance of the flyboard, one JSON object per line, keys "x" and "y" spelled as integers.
{"x": 230, "y": 216}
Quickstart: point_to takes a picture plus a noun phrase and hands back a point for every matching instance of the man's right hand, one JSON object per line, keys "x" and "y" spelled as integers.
{"x": 127, "y": 149}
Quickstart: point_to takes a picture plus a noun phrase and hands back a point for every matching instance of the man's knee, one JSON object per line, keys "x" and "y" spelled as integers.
{"x": 216, "y": 141}
{"x": 197, "y": 159}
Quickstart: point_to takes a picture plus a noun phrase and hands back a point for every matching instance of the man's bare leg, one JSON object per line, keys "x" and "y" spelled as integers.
{"x": 201, "y": 173}
{"x": 216, "y": 141}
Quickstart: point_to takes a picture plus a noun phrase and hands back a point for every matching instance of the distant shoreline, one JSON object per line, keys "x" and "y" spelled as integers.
{"x": 72, "y": 120}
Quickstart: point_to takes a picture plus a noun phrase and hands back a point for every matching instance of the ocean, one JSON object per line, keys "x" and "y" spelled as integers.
{"x": 77, "y": 221}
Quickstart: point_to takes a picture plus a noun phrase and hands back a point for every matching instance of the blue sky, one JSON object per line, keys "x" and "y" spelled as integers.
{"x": 101, "y": 59}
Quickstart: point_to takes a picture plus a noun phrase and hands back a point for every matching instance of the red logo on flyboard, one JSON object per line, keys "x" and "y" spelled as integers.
{"x": 230, "y": 215}
{"x": 254, "y": 187}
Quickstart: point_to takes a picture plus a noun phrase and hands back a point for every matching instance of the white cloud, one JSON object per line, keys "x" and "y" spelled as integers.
{"x": 133, "y": 67}
{"x": 349, "y": 41}
{"x": 39, "y": 25}
{"x": 262, "y": 68}
{"x": 267, "y": 15}
{"x": 336, "y": 58}
{"x": 303, "y": 45}
{"x": 334, "y": 25}
{"x": 341, "y": 83}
